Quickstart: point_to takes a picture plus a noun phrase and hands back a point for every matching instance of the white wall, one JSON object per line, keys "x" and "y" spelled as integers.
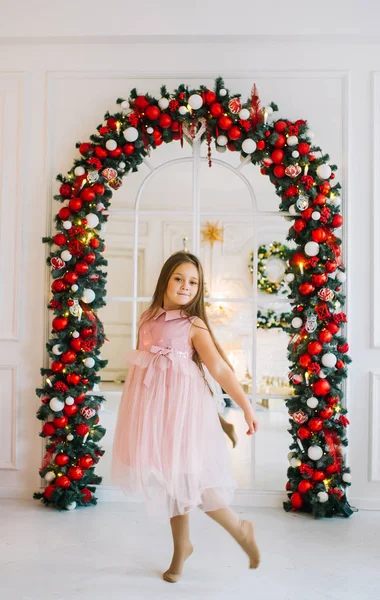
{"x": 304, "y": 75}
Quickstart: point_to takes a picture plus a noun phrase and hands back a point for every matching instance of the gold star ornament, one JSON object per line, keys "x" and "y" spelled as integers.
{"x": 212, "y": 233}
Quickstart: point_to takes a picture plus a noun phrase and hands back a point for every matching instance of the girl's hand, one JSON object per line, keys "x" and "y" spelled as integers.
{"x": 252, "y": 421}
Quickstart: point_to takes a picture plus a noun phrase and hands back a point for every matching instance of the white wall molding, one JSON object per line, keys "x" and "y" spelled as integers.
{"x": 374, "y": 433}
{"x": 8, "y": 416}
{"x": 375, "y": 233}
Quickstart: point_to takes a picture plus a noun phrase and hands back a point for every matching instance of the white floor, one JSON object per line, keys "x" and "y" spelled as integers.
{"x": 113, "y": 552}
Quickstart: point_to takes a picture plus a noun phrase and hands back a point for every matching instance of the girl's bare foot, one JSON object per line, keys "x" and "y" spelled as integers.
{"x": 249, "y": 545}
{"x": 174, "y": 572}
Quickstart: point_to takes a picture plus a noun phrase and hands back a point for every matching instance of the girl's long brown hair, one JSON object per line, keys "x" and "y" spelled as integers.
{"x": 196, "y": 306}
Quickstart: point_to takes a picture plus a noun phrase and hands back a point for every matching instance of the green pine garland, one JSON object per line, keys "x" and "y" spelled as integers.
{"x": 69, "y": 409}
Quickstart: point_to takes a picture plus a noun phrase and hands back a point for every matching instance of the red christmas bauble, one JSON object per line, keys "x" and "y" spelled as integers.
{"x": 304, "y": 360}
{"x": 319, "y": 475}
{"x": 279, "y": 171}
{"x": 62, "y": 459}
{"x": 210, "y": 97}
{"x": 157, "y": 135}
{"x": 152, "y": 112}
{"x": 95, "y": 243}
{"x": 331, "y": 469}
{"x": 325, "y": 187}
{"x": 59, "y": 323}
{"x": 79, "y": 399}
{"x": 216, "y": 110}
{"x": 165, "y": 121}
{"x": 314, "y": 348}
{"x": 306, "y": 214}
{"x": 296, "y": 500}
{"x": 85, "y": 461}
{"x": 70, "y": 410}
{"x": 141, "y": 103}
{"x": 85, "y": 148}
{"x": 60, "y": 422}
{"x": 306, "y": 288}
{"x": 280, "y": 141}
{"x": 303, "y": 433}
{"x": 65, "y": 190}
{"x": 277, "y": 156}
{"x": 231, "y": 146}
{"x": 321, "y": 387}
{"x": 299, "y": 225}
{"x": 298, "y": 258}
{"x": 82, "y": 428}
{"x": 70, "y": 277}
{"x": 58, "y": 285}
{"x": 85, "y": 380}
{"x": 318, "y": 235}
{"x": 81, "y": 268}
{"x": 88, "y": 194}
{"x": 57, "y": 366}
{"x": 339, "y": 364}
{"x": 316, "y": 424}
{"x": 325, "y": 336}
{"x": 86, "y": 493}
{"x": 326, "y": 413}
{"x": 103, "y": 130}
{"x": 86, "y": 332}
{"x": 319, "y": 279}
{"x": 73, "y": 378}
{"x": 333, "y": 328}
{"x": 175, "y": 126}
{"x": 63, "y": 482}
{"x": 115, "y": 153}
{"x": 99, "y": 189}
{"x": 288, "y": 486}
{"x": 303, "y": 148}
{"x": 320, "y": 200}
{"x": 75, "y": 473}
{"x": 225, "y": 122}
{"x": 59, "y": 239}
{"x": 305, "y": 486}
{"x": 291, "y": 191}
{"x": 48, "y": 429}
{"x": 112, "y": 123}
{"x": 68, "y": 357}
{"x": 101, "y": 152}
{"x": 48, "y": 491}
{"x": 280, "y": 126}
{"x": 129, "y": 149}
{"x": 337, "y": 221}
{"x": 89, "y": 258}
{"x": 64, "y": 213}
{"x": 260, "y": 145}
{"x": 234, "y": 133}
{"x": 330, "y": 266}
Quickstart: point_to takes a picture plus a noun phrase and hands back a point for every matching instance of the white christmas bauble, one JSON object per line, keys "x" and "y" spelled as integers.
{"x": 312, "y": 402}
{"x": 75, "y": 334}
{"x": 222, "y": 140}
{"x": 324, "y": 171}
{"x": 100, "y": 206}
{"x": 131, "y": 134}
{"x": 322, "y": 497}
{"x": 329, "y": 360}
{"x": 66, "y": 256}
{"x": 74, "y": 287}
{"x": 295, "y": 154}
{"x": 295, "y": 462}
{"x": 70, "y": 437}
{"x": 163, "y": 103}
{"x": 92, "y": 220}
{"x": 122, "y": 165}
{"x": 195, "y": 101}
{"x": 111, "y": 144}
{"x": 346, "y": 477}
{"x": 69, "y": 400}
{"x": 322, "y": 375}
{"x": 56, "y": 349}
{"x": 149, "y": 130}
{"x": 297, "y": 322}
{"x": 290, "y": 455}
{"x": 221, "y": 149}
{"x": 292, "y": 209}
{"x": 341, "y": 276}
{"x": 222, "y": 92}
{"x": 88, "y": 295}
{"x": 182, "y": 110}
{"x": 316, "y": 215}
{"x": 315, "y": 452}
{"x": 56, "y": 405}
{"x": 125, "y": 105}
{"x": 269, "y": 110}
{"x": 67, "y": 224}
{"x": 244, "y": 114}
{"x": 292, "y": 140}
{"x": 311, "y": 248}
{"x": 336, "y": 201}
{"x": 71, "y": 506}
{"x": 50, "y": 476}
{"x": 89, "y": 362}
{"x": 79, "y": 171}
{"x": 248, "y": 146}
{"x": 289, "y": 277}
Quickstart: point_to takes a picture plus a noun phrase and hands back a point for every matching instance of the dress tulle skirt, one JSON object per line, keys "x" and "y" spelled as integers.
{"x": 169, "y": 448}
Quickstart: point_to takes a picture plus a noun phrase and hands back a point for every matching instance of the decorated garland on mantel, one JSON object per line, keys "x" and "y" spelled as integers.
{"x": 302, "y": 179}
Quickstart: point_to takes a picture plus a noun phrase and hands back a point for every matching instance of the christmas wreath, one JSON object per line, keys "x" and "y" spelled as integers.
{"x": 264, "y": 282}
{"x": 303, "y": 180}
{"x": 273, "y": 320}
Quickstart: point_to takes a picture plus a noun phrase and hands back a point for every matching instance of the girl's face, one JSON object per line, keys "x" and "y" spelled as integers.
{"x": 182, "y": 286}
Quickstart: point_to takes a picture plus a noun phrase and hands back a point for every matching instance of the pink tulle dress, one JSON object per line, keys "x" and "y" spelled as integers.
{"x": 169, "y": 448}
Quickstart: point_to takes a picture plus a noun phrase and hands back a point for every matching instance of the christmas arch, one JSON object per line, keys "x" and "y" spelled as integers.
{"x": 304, "y": 181}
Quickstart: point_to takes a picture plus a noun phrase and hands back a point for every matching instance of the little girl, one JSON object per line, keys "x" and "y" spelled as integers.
{"x": 169, "y": 446}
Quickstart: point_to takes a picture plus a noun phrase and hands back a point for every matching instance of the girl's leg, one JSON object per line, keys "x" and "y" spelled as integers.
{"x": 229, "y": 430}
{"x": 241, "y": 531}
{"x": 182, "y": 547}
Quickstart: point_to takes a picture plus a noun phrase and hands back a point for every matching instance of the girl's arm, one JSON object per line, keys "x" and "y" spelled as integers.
{"x": 219, "y": 370}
